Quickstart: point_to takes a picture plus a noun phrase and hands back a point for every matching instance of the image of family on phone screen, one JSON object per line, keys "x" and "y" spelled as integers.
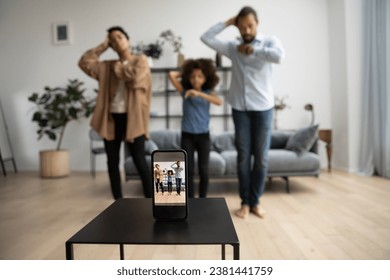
{"x": 169, "y": 183}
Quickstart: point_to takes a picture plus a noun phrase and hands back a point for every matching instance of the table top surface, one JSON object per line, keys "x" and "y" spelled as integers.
{"x": 130, "y": 221}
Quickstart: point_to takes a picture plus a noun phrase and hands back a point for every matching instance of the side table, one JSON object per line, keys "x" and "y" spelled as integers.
{"x": 129, "y": 221}
{"x": 326, "y": 136}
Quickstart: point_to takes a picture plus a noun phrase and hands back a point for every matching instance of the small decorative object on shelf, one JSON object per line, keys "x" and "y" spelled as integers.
{"x": 280, "y": 105}
{"x": 310, "y": 107}
{"x": 153, "y": 50}
{"x": 176, "y": 43}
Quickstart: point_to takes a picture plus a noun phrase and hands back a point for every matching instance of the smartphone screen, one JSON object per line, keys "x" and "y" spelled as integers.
{"x": 169, "y": 169}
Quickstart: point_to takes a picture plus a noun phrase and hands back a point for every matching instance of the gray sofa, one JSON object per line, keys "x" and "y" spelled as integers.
{"x": 223, "y": 156}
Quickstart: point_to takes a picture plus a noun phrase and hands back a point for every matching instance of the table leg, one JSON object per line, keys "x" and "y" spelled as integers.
{"x": 122, "y": 251}
{"x": 69, "y": 250}
{"x": 223, "y": 252}
{"x": 326, "y": 136}
{"x": 329, "y": 155}
{"x": 236, "y": 251}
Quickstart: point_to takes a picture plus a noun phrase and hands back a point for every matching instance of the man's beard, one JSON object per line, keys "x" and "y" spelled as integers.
{"x": 247, "y": 38}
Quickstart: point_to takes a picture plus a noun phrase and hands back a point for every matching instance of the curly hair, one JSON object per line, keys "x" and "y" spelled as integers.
{"x": 206, "y": 66}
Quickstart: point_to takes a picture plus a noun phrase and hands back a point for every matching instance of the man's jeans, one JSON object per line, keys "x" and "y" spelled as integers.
{"x": 252, "y": 137}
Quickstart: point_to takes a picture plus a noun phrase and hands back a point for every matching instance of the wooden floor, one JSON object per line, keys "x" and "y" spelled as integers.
{"x": 336, "y": 216}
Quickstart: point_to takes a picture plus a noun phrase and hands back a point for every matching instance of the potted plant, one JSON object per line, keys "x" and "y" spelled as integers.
{"x": 55, "y": 108}
{"x": 152, "y": 50}
{"x": 175, "y": 41}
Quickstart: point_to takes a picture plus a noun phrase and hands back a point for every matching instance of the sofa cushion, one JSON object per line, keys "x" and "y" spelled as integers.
{"x": 150, "y": 146}
{"x": 216, "y": 164}
{"x": 284, "y": 161}
{"x": 230, "y": 158}
{"x": 166, "y": 139}
{"x": 303, "y": 139}
{"x": 131, "y": 169}
{"x": 279, "y": 139}
{"x": 223, "y": 142}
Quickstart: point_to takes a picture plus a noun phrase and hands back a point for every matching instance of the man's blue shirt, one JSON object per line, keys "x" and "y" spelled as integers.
{"x": 250, "y": 88}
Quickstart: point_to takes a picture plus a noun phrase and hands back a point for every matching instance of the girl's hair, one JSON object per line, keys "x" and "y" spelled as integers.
{"x": 206, "y": 66}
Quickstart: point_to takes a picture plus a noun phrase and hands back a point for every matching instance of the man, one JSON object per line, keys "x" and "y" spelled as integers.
{"x": 252, "y": 101}
{"x": 178, "y": 175}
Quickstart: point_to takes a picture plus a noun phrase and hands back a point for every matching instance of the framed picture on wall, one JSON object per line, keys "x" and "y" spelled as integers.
{"x": 61, "y": 33}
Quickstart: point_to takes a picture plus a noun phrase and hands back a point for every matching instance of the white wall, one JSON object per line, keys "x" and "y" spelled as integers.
{"x": 30, "y": 60}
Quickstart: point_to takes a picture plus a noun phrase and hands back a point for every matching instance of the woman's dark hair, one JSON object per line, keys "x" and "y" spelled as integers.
{"x": 206, "y": 66}
{"x": 244, "y": 12}
{"x": 118, "y": 28}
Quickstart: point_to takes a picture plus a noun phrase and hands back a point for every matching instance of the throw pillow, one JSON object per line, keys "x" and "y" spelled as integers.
{"x": 303, "y": 139}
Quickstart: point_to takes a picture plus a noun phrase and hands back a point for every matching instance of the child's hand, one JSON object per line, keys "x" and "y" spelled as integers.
{"x": 191, "y": 93}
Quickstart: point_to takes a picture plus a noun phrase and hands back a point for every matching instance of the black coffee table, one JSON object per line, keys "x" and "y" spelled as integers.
{"x": 130, "y": 221}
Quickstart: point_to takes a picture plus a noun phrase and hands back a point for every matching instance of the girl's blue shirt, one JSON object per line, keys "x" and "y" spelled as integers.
{"x": 196, "y": 114}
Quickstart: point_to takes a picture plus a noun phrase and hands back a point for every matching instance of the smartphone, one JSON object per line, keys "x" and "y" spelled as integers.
{"x": 170, "y": 195}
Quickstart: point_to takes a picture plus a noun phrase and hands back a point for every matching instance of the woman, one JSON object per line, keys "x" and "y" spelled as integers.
{"x": 158, "y": 178}
{"x": 122, "y": 105}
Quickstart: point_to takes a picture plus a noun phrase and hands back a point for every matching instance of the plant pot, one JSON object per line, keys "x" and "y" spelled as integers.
{"x": 150, "y": 62}
{"x": 54, "y": 163}
{"x": 180, "y": 59}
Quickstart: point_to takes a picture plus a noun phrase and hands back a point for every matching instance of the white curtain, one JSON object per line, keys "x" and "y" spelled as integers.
{"x": 375, "y": 133}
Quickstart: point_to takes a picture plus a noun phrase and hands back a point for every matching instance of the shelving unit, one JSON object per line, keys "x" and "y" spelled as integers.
{"x": 6, "y": 151}
{"x": 164, "y": 94}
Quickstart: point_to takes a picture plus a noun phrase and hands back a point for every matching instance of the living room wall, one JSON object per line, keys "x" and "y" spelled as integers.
{"x": 30, "y": 61}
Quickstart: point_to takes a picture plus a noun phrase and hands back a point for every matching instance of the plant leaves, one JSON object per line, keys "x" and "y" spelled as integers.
{"x": 57, "y": 106}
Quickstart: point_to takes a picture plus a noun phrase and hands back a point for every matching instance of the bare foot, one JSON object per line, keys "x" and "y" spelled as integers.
{"x": 258, "y": 211}
{"x": 243, "y": 212}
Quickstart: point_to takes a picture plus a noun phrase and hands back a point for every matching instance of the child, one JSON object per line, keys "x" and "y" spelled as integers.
{"x": 158, "y": 178}
{"x": 170, "y": 178}
{"x": 196, "y": 83}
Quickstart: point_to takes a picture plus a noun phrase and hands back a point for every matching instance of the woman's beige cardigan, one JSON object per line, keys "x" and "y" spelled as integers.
{"x": 137, "y": 77}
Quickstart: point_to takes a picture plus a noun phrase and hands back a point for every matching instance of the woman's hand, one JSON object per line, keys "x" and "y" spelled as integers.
{"x": 106, "y": 42}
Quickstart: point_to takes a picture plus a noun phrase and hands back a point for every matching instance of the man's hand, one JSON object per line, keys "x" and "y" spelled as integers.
{"x": 231, "y": 21}
{"x": 246, "y": 49}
